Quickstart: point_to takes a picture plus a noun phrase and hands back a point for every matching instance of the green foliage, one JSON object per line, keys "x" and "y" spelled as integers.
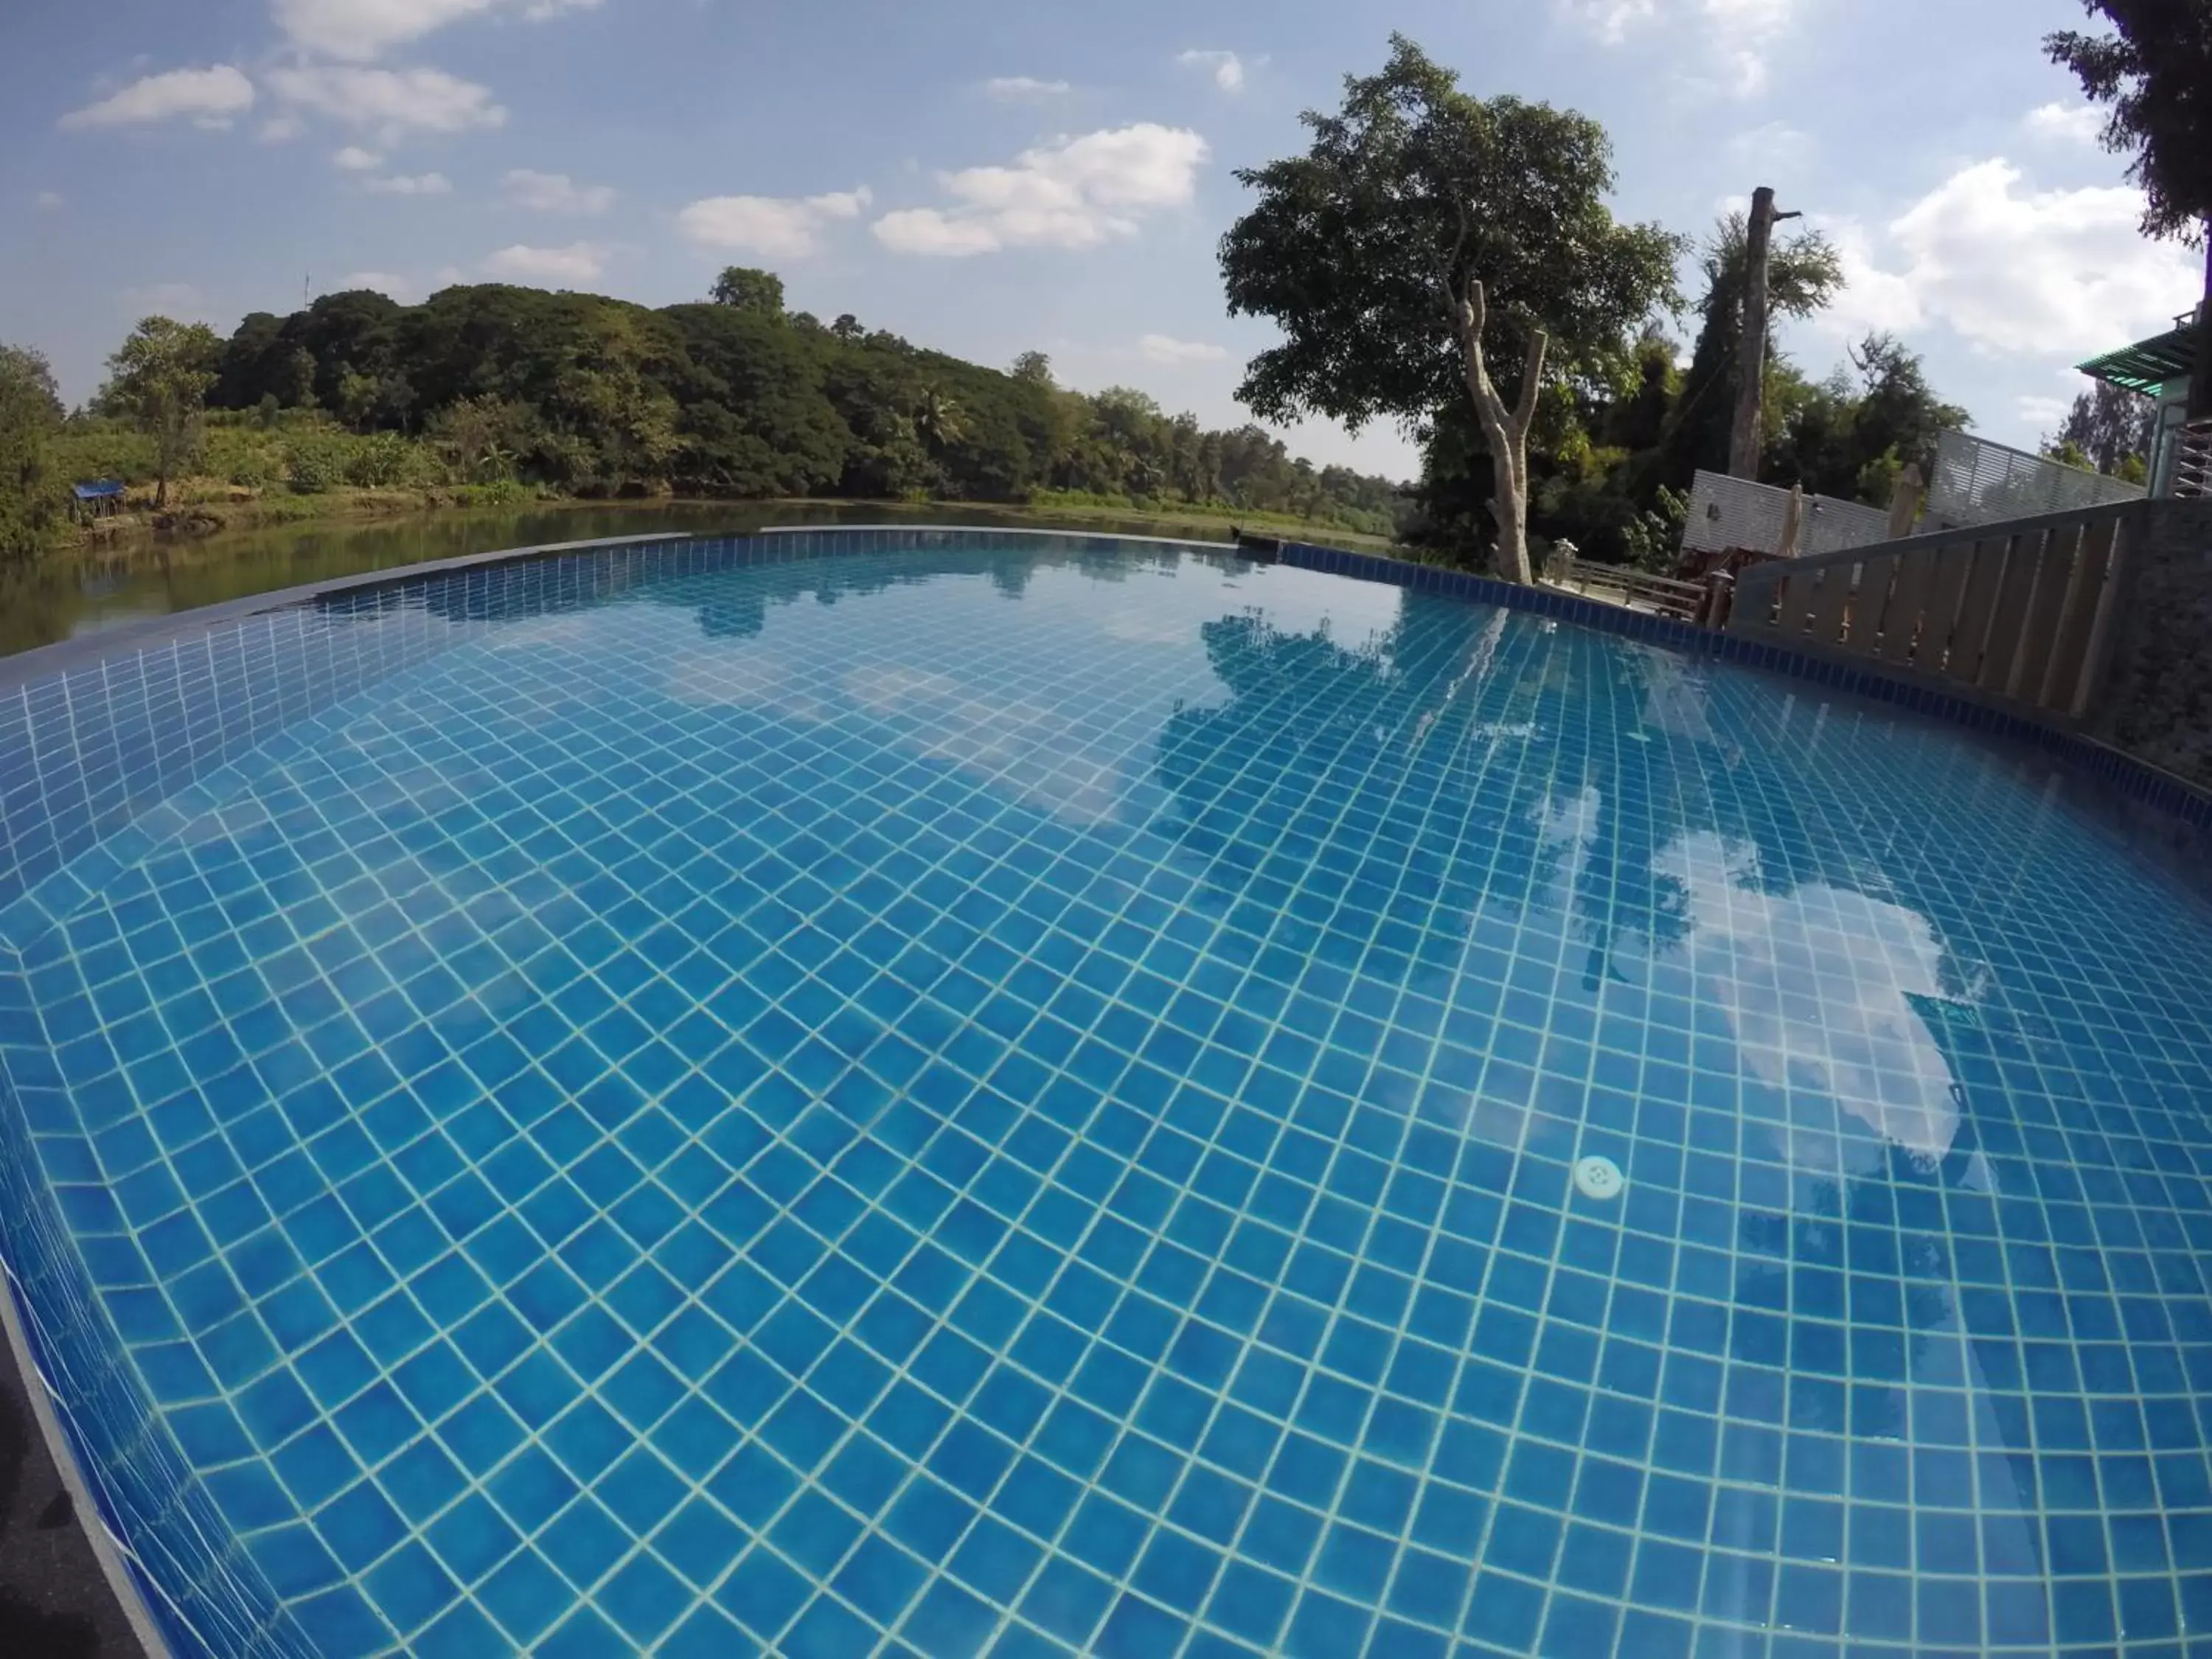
{"x": 1804, "y": 273}
{"x": 499, "y": 492}
{"x": 758, "y": 291}
{"x": 1653, "y": 539}
{"x": 1414, "y": 186}
{"x": 31, "y": 487}
{"x": 160, "y": 379}
{"x": 2154, "y": 73}
{"x": 2107, "y": 427}
{"x": 98, "y": 446}
{"x": 315, "y": 461}
{"x": 491, "y": 394}
{"x": 1851, "y": 434}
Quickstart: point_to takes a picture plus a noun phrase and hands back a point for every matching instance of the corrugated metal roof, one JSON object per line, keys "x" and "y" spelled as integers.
{"x": 2147, "y": 366}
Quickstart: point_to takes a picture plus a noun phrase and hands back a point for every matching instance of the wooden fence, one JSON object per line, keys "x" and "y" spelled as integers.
{"x": 2019, "y": 613}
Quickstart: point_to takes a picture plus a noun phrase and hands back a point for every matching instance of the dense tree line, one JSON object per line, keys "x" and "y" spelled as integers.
{"x": 736, "y": 397}
{"x": 491, "y": 389}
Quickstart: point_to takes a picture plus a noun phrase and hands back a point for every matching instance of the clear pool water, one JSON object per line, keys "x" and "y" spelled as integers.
{"x": 999, "y": 1101}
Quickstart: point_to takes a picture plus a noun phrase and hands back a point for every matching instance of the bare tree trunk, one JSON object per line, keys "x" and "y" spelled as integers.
{"x": 1750, "y": 354}
{"x": 1506, "y": 429}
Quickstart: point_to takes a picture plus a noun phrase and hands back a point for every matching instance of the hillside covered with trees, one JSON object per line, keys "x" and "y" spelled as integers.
{"x": 486, "y": 390}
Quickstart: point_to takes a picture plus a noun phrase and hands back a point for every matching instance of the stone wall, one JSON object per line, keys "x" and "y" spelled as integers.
{"x": 2158, "y": 701}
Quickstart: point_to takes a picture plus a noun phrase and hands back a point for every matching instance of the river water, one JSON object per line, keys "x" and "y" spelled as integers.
{"x": 68, "y": 595}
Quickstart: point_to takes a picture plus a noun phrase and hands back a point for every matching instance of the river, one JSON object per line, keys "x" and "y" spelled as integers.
{"x": 63, "y": 595}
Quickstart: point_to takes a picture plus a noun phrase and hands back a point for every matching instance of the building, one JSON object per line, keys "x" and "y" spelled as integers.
{"x": 2160, "y": 369}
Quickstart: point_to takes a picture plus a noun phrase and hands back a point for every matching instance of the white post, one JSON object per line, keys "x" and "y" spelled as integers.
{"x": 1793, "y": 520}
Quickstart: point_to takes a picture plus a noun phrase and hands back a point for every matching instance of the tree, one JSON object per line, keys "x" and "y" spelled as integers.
{"x": 937, "y": 418}
{"x": 160, "y": 379}
{"x": 1851, "y": 437}
{"x": 846, "y": 327}
{"x": 1803, "y": 273}
{"x": 30, "y": 409}
{"x": 2154, "y": 74}
{"x": 1424, "y": 234}
{"x": 1032, "y": 368}
{"x": 2106, "y": 427}
{"x": 749, "y": 289}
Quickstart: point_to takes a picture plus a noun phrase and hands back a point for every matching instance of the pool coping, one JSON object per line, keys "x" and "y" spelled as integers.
{"x": 85, "y": 1516}
{"x": 2167, "y": 795}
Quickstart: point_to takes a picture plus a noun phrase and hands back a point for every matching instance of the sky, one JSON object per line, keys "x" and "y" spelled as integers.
{"x": 987, "y": 178}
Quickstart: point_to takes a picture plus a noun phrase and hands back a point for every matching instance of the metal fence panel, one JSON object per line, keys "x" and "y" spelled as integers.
{"x": 1977, "y": 482}
{"x": 1729, "y": 513}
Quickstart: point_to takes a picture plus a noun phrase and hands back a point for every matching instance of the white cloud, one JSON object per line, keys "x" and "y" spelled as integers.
{"x": 1607, "y": 20}
{"x": 212, "y": 97}
{"x": 420, "y": 184}
{"x": 48, "y": 200}
{"x": 1873, "y": 300}
{"x": 578, "y": 262}
{"x": 354, "y": 159}
{"x": 1848, "y": 1039}
{"x": 2076, "y": 124}
{"x": 1731, "y": 39}
{"x": 2044, "y": 414}
{"x": 391, "y": 285}
{"x": 1072, "y": 193}
{"x": 391, "y": 103}
{"x": 1024, "y": 89}
{"x": 1161, "y": 349}
{"x": 178, "y": 300}
{"x": 358, "y": 30}
{"x": 1226, "y": 68}
{"x": 556, "y": 192}
{"x": 775, "y": 227}
{"x": 282, "y": 129}
{"x": 2017, "y": 271}
{"x": 1778, "y": 147}
{"x": 925, "y": 230}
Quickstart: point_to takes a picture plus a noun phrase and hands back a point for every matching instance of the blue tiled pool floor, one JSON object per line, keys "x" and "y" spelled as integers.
{"x": 1029, "y": 1109}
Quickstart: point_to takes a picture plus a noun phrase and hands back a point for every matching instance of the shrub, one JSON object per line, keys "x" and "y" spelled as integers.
{"x": 382, "y": 461}
{"x": 316, "y": 461}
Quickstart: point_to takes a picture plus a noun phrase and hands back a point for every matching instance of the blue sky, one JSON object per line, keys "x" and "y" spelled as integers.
{"x": 987, "y": 178}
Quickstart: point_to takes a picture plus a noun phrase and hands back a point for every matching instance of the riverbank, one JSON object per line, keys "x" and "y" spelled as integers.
{"x": 203, "y": 511}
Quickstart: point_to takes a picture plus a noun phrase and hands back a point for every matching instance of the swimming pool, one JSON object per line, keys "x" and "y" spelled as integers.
{"x": 1020, "y": 1096}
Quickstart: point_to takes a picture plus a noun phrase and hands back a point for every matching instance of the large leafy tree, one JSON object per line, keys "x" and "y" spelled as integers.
{"x": 2152, "y": 73}
{"x": 1427, "y": 241}
{"x": 160, "y": 379}
{"x": 759, "y": 291}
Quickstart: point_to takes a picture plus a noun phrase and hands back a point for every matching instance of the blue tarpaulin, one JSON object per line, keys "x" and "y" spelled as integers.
{"x": 99, "y": 489}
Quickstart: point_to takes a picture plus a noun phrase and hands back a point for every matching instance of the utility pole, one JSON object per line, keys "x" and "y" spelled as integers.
{"x": 2199, "y": 407}
{"x": 1751, "y": 359}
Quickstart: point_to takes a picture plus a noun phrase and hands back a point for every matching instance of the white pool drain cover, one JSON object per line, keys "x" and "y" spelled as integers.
{"x": 1598, "y": 1177}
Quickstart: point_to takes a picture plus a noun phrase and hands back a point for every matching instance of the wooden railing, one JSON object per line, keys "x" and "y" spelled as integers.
{"x": 1662, "y": 594}
{"x": 2019, "y": 613}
